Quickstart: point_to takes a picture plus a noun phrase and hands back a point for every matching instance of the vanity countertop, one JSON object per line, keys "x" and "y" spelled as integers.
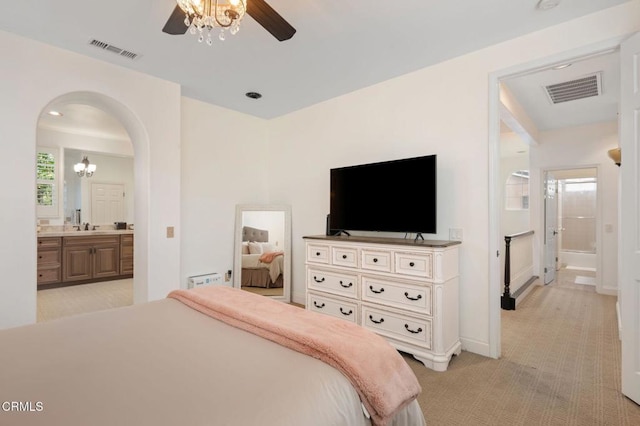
{"x": 75, "y": 233}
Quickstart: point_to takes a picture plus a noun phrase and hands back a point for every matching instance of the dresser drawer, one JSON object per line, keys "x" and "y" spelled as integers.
{"x": 49, "y": 242}
{"x": 344, "y": 256}
{"x": 49, "y": 275}
{"x": 335, "y": 308}
{"x": 399, "y": 295}
{"x": 51, "y": 256}
{"x": 333, "y": 282}
{"x": 376, "y": 260}
{"x": 401, "y": 327}
{"x": 415, "y": 265}
{"x": 318, "y": 253}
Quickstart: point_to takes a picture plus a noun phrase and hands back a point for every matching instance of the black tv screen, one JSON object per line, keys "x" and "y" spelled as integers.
{"x": 391, "y": 196}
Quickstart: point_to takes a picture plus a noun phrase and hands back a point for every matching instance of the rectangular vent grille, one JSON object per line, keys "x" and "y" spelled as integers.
{"x": 580, "y": 88}
{"x": 113, "y": 49}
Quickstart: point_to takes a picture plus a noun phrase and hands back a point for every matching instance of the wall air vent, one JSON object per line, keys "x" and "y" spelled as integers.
{"x": 113, "y": 49}
{"x": 580, "y": 88}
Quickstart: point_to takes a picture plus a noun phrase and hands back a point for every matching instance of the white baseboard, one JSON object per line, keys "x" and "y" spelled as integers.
{"x": 619, "y": 320}
{"x": 475, "y": 346}
{"x": 608, "y": 291}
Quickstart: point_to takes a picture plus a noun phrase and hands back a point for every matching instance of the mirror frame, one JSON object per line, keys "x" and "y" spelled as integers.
{"x": 237, "y": 249}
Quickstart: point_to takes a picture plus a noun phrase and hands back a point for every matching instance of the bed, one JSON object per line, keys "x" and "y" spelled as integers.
{"x": 166, "y": 363}
{"x": 262, "y": 262}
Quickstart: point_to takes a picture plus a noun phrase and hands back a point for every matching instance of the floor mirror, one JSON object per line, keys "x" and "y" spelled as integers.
{"x": 262, "y": 250}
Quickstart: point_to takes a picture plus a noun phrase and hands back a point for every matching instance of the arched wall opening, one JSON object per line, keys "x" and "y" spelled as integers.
{"x": 140, "y": 141}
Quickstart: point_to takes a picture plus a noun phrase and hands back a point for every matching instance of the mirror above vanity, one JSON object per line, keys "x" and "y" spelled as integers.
{"x": 262, "y": 250}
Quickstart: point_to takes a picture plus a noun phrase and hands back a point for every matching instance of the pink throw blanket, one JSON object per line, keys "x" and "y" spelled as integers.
{"x": 382, "y": 378}
{"x": 268, "y": 257}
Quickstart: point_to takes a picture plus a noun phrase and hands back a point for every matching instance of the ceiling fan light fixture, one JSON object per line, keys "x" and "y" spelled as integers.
{"x": 203, "y": 16}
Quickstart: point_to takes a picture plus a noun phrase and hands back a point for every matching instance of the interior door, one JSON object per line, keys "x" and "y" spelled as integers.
{"x": 629, "y": 283}
{"x": 550, "y": 226}
{"x": 107, "y": 203}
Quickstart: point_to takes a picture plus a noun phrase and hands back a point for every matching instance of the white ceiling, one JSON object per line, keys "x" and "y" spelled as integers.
{"x": 530, "y": 92}
{"x": 339, "y": 47}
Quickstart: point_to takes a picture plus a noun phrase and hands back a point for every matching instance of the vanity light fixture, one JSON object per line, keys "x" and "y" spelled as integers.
{"x": 84, "y": 168}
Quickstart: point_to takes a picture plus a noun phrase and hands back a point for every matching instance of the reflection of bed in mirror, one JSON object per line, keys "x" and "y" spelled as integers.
{"x": 263, "y": 231}
{"x": 262, "y": 261}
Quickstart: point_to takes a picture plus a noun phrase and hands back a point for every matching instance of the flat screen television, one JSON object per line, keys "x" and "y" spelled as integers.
{"x": 390, "y": 196}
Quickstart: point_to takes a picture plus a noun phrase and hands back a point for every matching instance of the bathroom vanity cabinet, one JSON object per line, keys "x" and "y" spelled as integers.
{"x": 84, "y": 258}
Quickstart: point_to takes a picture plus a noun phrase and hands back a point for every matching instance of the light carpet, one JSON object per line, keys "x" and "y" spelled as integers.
{"x": 560, "y": 365}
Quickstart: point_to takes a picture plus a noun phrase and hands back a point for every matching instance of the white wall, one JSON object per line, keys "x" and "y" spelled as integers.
{"x": 437, "y": 110}
{"x": 513, "y": 221}
{"x": 573, "y": 148}
{"x": 224, "y": 163}
{"x": 34, "y": 74}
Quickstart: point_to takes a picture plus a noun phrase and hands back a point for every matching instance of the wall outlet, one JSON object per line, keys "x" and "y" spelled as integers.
{"x": 227, "y": 276}
{"x": 169, "y": 231}
{"x": 455, "y": 234}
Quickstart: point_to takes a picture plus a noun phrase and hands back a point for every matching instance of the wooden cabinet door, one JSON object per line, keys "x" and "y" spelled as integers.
{"x": 77, "y": 263}
{"x": 106, "y": 260}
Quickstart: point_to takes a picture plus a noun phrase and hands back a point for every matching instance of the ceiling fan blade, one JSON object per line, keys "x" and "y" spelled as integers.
{"x": 175, "y": 24}
{"x": 270, "y": 19}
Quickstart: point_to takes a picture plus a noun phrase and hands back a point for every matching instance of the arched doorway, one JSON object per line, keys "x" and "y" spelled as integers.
{"x": 140, "y": 148}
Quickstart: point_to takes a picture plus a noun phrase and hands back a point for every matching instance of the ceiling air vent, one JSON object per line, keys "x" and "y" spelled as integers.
{"x": 113, "y": 49}
{"x": 580, "y": 88}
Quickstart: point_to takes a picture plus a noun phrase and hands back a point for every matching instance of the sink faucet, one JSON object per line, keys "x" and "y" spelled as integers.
{"x": 86, "y": 226}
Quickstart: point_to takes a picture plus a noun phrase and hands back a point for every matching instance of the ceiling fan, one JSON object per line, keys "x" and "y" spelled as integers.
{"x": 259, "y": 10}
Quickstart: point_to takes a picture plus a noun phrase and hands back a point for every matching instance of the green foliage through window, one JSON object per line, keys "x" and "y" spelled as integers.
{"x": 46, "y": 166}
{"x": 45, "y": 194}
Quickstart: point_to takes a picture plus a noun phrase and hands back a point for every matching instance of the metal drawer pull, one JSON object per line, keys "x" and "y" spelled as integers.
{"x": 347, "y": 285}
{"x": 317, "y": 280}
{"x": 406, "y": 294}
{"x": 317, "y": 253}
{"x": 346, "y": 313}
{"x": 318, "y": 306}
{"x": 378, "y": 291}
{"x": 413, "y": 331}
{"x": 374, "y": 321}
{"x": 375, "y": 260}
{"x": 412, "y": 264}
{"x": 344, "y": 256}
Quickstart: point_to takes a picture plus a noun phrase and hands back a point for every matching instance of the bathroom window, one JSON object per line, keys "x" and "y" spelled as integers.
{"x": 47, "y": 182}
{"x": 517, "y": 191}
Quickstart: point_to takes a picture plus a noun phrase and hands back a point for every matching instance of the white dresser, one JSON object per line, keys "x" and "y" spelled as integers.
{"x": 405, "y": 291}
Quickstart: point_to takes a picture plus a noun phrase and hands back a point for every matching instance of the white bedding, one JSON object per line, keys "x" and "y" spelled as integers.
{"x": 162, "y": 363}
